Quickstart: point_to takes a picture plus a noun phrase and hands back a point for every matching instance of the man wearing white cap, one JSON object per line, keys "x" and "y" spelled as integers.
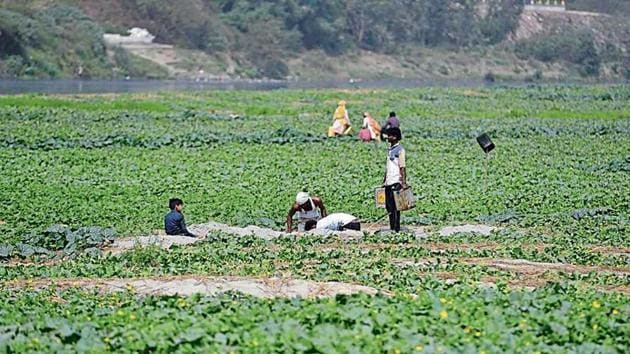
{"x": 307, "y": 209}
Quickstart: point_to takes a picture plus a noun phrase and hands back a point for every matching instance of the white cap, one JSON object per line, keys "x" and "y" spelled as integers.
{"x": 302, "y": 198}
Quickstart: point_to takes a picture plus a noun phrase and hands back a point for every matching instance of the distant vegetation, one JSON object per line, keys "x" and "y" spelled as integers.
{"x": 38, "y": 39}
{"x": 265, "y": 33}
{"x": 605, "y": 6}
{"x": 54, "y": 41}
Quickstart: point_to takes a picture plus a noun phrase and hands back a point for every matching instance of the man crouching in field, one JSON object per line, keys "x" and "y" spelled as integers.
{"x": 174, "y": 223}
{"x": 307, "y": 209}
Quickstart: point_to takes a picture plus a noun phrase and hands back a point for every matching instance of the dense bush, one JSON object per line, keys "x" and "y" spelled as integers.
{"x": 51, "y": 41}
{"x": 573, "y": 46}
{"x": 264, "y": 33}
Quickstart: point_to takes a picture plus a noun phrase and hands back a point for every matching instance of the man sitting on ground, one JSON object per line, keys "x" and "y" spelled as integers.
{"x": 336, "y": 222}
{"x": 174, "y": 223}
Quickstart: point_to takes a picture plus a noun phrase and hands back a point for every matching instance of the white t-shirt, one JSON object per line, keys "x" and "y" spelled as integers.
{"x": 335, "y": 221}
{"x": 395, "y": 161}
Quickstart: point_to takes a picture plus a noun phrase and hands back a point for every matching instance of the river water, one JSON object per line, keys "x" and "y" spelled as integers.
{"x": 8, "y": 87}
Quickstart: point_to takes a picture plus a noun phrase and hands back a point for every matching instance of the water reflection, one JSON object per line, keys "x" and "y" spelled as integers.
{"x": 119, "y": 86}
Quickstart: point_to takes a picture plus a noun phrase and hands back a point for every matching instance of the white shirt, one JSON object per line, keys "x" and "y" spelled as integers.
{"x": 335, "y": 221}
{"x": 313, "y": 214}
{"x": 394, "y": 163}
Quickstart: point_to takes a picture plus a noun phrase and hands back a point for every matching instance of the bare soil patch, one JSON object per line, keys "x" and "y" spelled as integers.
{"x": 468, "y": 228}
{"x": 616, "y": 251}
{"x": 188, "y": 285}
{"x": 528, "y": 267}
{"x": 526, "y": 281}
{"x": 520, "y": 266}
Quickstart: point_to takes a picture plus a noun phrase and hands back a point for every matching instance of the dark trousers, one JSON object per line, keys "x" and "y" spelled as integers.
{"x": 390, "y": 205}
{"x": 353, "y": 225}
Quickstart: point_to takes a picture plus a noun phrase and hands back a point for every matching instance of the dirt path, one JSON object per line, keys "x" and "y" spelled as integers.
{"x": 268, "y": 288}
{"x": 188, "y": 285}
{"x": 529, "y": 282}
{"x": 520, "y": 266}
{"x": 202, "y": 230}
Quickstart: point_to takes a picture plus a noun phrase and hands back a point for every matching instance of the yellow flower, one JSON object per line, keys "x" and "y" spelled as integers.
{"x": 132, "y": 317}
{"x": 595, "y": 326}
{"x": 467, "y": 330}
{"x": 482, "y": 352}
{"x": 396, "y": 351}
{"x": 477, "y": 334}
{"x": 442, "y": 300}
{"x": 419, "y": 348}
{"x": 615, "y": 312}
{"x": 596, "y": 304}
{"x": 443, "y": 314}
{"x": 523, "y": 324}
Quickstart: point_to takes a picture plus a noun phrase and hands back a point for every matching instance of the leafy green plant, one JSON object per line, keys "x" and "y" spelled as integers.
{"x": 60, "y": 237}
{"x": 555, "y": 187}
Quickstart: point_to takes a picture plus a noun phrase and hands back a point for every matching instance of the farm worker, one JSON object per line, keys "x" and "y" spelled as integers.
{"x": 308, "y": 209}
{"x": 336, "y": 222}
{"x": 341, "y": 122}
{"x": 391, "y": 122}
{"x": 174, "y": 223}
{"x": 395, "y": 177}
{"x": 372, "y": 125}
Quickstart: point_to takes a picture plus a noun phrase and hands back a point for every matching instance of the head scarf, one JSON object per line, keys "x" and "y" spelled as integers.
{"x": 302, "y": 198}
{"x": 340, "y": 112}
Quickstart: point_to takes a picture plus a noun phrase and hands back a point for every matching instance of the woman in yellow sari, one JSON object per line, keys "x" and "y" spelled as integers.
{"x": 341, "y": 122}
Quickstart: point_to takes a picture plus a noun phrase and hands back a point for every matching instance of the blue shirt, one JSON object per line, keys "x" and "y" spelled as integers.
{"x": 174, "y": 224}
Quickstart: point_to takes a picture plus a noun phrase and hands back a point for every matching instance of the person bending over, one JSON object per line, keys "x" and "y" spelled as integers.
{"x": 336, "y": 222}
{"x": 307, "y": 209}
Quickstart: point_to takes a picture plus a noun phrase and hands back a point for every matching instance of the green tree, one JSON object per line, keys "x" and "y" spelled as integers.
{"x": 502, "y": 19}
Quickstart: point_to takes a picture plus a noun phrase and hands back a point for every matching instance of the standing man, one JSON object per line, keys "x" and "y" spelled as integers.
{"x": 307, "y": 210}
{"x": 395, "y": 175}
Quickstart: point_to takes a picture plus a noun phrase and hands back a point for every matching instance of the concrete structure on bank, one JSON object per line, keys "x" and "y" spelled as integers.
{"x": 136, "y": 36}
{"x": 545, "y": 5}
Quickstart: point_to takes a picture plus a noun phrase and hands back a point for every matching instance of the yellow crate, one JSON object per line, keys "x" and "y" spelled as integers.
{"x": 379, "y": 197}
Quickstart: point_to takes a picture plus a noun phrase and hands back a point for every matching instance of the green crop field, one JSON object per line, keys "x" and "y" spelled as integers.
{"x": 553, "y": 276}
